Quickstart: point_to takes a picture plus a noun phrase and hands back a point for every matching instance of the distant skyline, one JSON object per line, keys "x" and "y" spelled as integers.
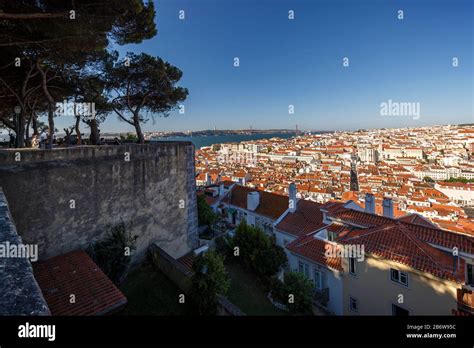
{"x": 300, "y": 62}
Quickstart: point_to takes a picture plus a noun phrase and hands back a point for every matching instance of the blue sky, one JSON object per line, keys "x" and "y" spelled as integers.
{"x": 299, "y": 62}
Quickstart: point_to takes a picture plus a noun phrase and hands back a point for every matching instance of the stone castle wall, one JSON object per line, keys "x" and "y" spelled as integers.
{"x": 20, "y": 294}
{"x": 65, "y": 199}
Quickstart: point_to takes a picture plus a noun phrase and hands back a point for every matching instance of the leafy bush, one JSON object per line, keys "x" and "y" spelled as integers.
{"x": 301, "y": 289}
{"x": 210, "y": 279}
{"x": 112, "y": 254}
{"x": 223, "y": 246}
{"x": 258, "y": 252}
{"x": 278, "y": 290}
{"x": 129, "y": 137}
{"x": 205, "y": 214}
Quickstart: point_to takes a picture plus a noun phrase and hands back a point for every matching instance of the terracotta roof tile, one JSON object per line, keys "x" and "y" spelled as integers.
{"x": 443, "y": 238}
{"x": 271, "y": 205}
{"x": 75, "y": 273}
{"x": 417, "y": 220}
{"x": 397, "y": 243}
{"x": 307, "y": 218}
{"x": 187, "y": 261}
{"x": 315, "y": 249}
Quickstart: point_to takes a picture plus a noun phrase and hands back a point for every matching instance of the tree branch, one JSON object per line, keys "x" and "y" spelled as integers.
{"x": 16, "y": 16}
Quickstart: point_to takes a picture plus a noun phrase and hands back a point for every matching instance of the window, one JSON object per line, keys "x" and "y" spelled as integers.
{"x": 399, "y": 311}
{"x": 354, "y": 305}
{"x": 352, "y": 266}
{"x": 470, "y": 274}
{"x": 319, "y": 280}
{"x": 399, "y": 276}
{"x": 303, "y": 268}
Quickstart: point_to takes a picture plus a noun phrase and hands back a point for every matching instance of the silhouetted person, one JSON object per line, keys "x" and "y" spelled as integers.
{"x": 43, "y": 138}
{"x": 12, "y": 140}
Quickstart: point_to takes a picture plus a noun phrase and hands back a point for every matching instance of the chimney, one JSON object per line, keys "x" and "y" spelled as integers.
{"x": 387, "y": 207}
{"x": 292, "y": 197}
{"x": 221, "y": 189}
{"x": 208, "y": 179}
{"x": 253, "y": 199}
{"x": 369, "y": 203}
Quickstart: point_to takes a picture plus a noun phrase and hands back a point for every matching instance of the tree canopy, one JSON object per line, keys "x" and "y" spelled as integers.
{"x": 143, "y": 83}
{"x": 55, "y": 50}
{"x": 210, "y": 279}
{"x": 258, "y": 252}
{"x": 205, "y": 214}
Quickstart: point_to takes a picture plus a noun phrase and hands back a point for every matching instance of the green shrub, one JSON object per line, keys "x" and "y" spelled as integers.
{"x": 301, "y": 289}
{"x": 210, "y": 279}
{"x": 113, "y": 253}
{"x": 223, "y": 246}
{"x": 258, "y": 252}
{"x": 206, "y": 215}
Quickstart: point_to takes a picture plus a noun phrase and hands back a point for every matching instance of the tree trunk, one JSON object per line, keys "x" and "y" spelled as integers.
{"x": 78, "y": 131}
{"x": 95, "y": 134}
{"x": 50, "y": 101}
{"x": 35, "y": 123}
{"x": 51, "y": 124}
{"x": 27, "y": 130}
{"x": 138, "y": 128}
{"x": 20, "y": 136}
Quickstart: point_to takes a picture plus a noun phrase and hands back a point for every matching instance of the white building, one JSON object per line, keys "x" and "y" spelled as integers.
{"x": 463, "y": 194}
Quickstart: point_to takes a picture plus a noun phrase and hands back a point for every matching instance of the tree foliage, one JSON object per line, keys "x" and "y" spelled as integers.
{"x": 205, "y": 214}
{"x": 461, "y": 180}
{"x": 258, "y": 252}
{"x": 296, "y": 292}
{"x": 144, "y": 86}
{"x": 44, "y": 42}
{"x": 113, "y": 253}
{"x": 210, "y": 279}
{"x": 428, "y": 179}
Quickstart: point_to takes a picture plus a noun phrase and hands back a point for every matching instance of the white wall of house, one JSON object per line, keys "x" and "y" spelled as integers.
{"x": 333, "y": 281}
{"x": 282, "y": 239}
{"x": 462, "y": 196}
{"x": 253, "y": 219}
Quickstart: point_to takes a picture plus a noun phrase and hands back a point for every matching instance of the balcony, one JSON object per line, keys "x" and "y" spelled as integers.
{"x": 321, "y": 297}
{"x": 465, "y": 299}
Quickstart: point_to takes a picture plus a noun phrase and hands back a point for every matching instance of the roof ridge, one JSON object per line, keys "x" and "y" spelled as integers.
{"x": 369, "y": 231}
{"x": 438, "y": 230}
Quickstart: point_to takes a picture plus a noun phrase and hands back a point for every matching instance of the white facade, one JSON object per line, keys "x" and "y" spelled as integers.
{"x": 459, "y": 194}
{"x": 322, "y": 277}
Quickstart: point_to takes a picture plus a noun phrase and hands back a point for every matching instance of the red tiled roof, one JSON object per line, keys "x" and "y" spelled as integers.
{"x": 209, "y": 199}
{"x": 332, "y": 207}
{"x": 337, "y": 228}
{"x": 397, "y": 243}
{"x": 360, "y": 218}
{"x": 443, "y": 238}
{"x": 76, "y": 274}
{"x": 187, "y": 261}
{"x": 431, "y": 235}
{"x": 417, "y": 220}
{"x": 307, "y": 218}
{"x": 271, "y": 205}
{"x": 315, "y": 249}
